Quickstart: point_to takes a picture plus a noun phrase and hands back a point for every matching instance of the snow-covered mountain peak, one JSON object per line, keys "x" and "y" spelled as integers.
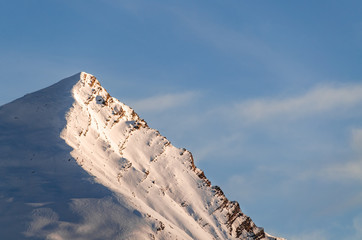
{"x": 88, "y": 90}
{"x": 99, "y": 171}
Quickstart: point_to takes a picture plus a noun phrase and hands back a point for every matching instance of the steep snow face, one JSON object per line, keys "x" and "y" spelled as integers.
{"x": 114, "y": 145}
{"x": 108, "y": 175}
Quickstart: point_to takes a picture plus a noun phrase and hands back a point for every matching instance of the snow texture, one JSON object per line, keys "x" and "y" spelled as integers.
{"x": 78, "y": 164}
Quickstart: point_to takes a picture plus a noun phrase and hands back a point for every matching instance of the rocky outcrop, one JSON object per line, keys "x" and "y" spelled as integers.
{"x": 239, "y": 225}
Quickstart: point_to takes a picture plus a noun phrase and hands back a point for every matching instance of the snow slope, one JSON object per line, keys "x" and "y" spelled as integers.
{"x": 78, "y": 164}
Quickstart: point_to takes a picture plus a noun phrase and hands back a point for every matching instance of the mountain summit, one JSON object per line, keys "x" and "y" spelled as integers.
{"x": 77, "y": 163}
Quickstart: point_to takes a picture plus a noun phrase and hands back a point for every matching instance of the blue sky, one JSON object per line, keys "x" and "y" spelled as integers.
{"x": 266, "y": 94}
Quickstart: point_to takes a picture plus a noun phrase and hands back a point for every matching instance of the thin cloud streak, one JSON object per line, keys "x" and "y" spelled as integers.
{"x": 357, "y": 139}
{"x": 346, "y": 171}
{"x": 163, "y": 102}
{"x": 314, "y": 235}
{"x": 316, "y": 101}
{"x": 357, "y": 225}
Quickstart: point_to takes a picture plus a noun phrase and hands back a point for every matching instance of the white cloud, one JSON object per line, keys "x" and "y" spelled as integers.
{"x": 313, "y": 235}
{"x": 318, "y": 100}
{"x": 347, "y": 171}
{"x": 357, "y": 139}
{"x": 163, "y": 102}
{"x": 357, "y": 225}
{"x": 223, "y": 145}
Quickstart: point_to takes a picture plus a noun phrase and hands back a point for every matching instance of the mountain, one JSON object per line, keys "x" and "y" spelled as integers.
{"x": 78, "y": 164}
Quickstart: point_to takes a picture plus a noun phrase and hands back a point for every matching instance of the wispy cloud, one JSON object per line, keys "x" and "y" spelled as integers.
{"x": 347, "y": 169}
{"x": 164, "y": 102}
{"x": 357, "y": 139}
{"x": 357, "y": 225}
{"x": 351, "y": 170}
{"x": 316, "y": 101}
{"x": 224, "y": 145}
{"x": 313, "y": 235}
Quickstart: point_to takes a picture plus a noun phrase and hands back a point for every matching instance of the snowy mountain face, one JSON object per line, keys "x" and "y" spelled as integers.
{"x": 78, "y": 164}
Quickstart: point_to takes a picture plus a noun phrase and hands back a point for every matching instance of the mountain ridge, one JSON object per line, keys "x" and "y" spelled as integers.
{"x": 138, "y": 170}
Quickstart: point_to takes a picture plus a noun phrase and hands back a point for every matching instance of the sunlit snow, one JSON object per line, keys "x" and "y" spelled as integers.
{"x": 78, "y": 164}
